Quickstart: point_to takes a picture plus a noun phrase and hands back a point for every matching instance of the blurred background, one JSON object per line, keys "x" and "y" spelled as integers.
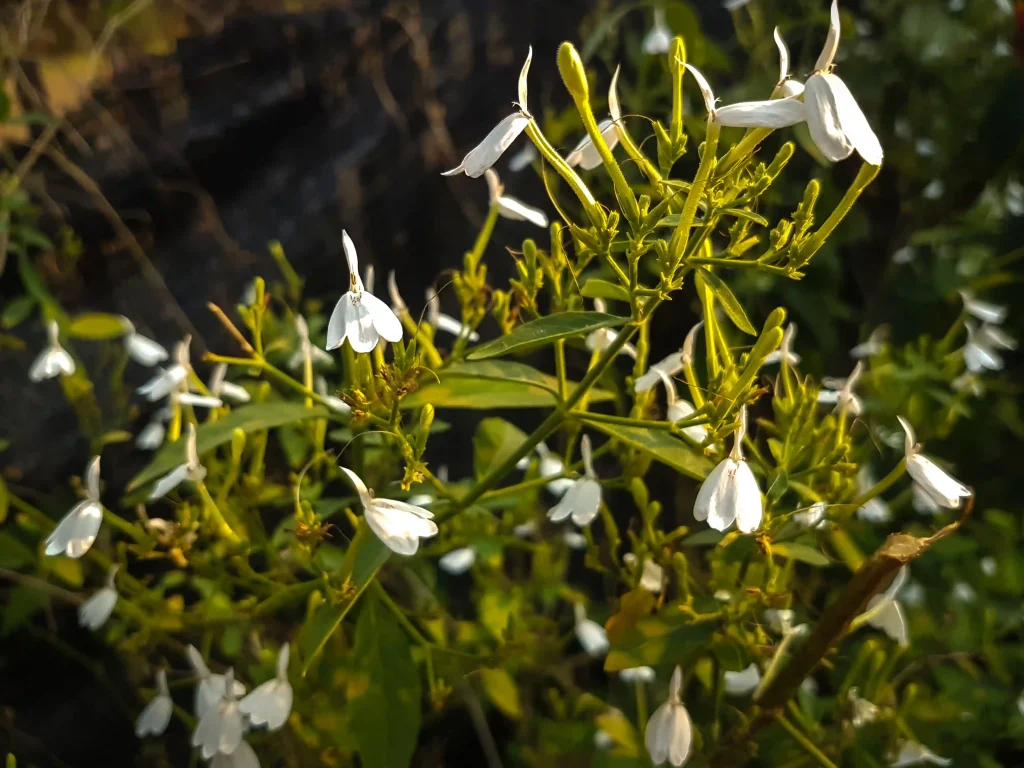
{"x": 160, "y": 146}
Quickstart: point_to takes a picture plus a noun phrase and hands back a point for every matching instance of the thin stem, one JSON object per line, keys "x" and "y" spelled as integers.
{"x": 864, "y": 177}
{"x": 563, "y": 384}
{"x": 402, "y": 619}
{"x": 626, "y": 421}
{"x": 214, "y": 512}
{"x": 803, "y": 741}
{"x": 681, "y": 235}
{"x": 741, "y": 150}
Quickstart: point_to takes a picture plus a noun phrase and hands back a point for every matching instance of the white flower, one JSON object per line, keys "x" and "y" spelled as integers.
{"x": 988, "y": 565}
{"x": 306, "y": 348}
{"x": 671, "y": 365}
{"x": 944, "y": 489}
{"x": 658, "y": 39}
{"x": 744, "y": 682}
{"x": 669, "y": 732}
{"x": 151, "y": 436}
{"x": 574, "y": 539}
{"x": 679, "y": 409}
{"x": 839, "y": 392}
{"x": 583, "y": 498}
{"x": 836, "y": 122}
{"x": 359, "y": 316}
{"x": 813, "y": 516}
{"x": 730, "y": 493}
{"x": 873, "y": 346}
{"x": 585, "y": 154}
{"x": 785, "y": 87}
{"x": 933, "y": 190}
{"x": 142, "y": 350}
{"x": 884, "y": 612}
{"x": 864, "y": 711}
{"x": 772, "y": 113}
{"x": 242, "y": 757}
{"x": 525, "y": 530}
{"x": 95, "y": 611}
{"x": 964, "y": 592}
{"x": 780, "y": 620}
{"x": 912, "y": 753}
{"x": 601, "y": 339}
{"x": 985, "y": 311}
{"x": 785, "y": 351}
{"x": 652, "y": 577}
{"x": 168, "y": 379}
{"x": 458, "y": 561}
{"x": 270, "y": 703}
{"x": 552, "y": 466}
{"x": 590, "y": 634}
{"x": 399, "y": 525}
{"x": 510, "y": 207}
{"x": 333, "y": 402}
{"x": 446, "y": 323}
{"x": 486, "y": 153}
{"x": 904, "y": 255}
{"x": 924, "y": 503}
{"x": 219, "y": 386}
{"x": 157, "y": 714}
{"x": 76, "y": 532}
{"x": 190, "y": 470}
{"x": 968, "y": 383}
{"x": 603, "y": 739}
{"x": 979, "y": 351}
{"x": 874, "y": 510}
{"x": 221, "y": 726}
{"x": 637, "y": 675}
{"x": 210, "y": 688}
{"x": 196, "y": 401}
{"x": 54, "y": 360}
{"x": 522, "y": 158}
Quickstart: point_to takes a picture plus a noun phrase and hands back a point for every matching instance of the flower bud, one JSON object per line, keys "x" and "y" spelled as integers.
{"x": 237, "y": 444}
{"x": 775, "y": 318}
{"x": 677, "y": 55}
{"x": 573, "y": 73}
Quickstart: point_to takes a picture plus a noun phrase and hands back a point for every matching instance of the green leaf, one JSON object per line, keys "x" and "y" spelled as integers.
{"x": 545, "y": 330}
{"x": 706, "y": 538}
{"x": 16, "y": 311}
{"x": 661, "y": 445}
{"x": 22, "y": 604}
{"x": 672, "y": 220}
{"x": 363, "y": 559}
{"x": 96, "y": 326}
{"x": 602, "y": 289}
{"x": 495, "y": 440}
{"x": 386, "y": 708}
{"x": 491, "y": 384}
{"x": 502, "y": 691}
{"x": 794, "y": 550}
{"x": 727, "y": 299}
{"x": 669, "y": 637}
{"x": 248, "y": 418}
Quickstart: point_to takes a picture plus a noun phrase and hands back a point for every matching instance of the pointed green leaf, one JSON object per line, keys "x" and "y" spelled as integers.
{"x": 794, "y": 550}
{"x": 494, "y": 441}
{"x": 248, "y": 418}
{"x": 545, "y": 330}
{"x": 96, "y": 326}
{"x": 386, "y": 708}
{"x": 661, "y": 445}
{"x": 501, "y": 689}
{"x": 602, "y": 289}
{"x": 727, "y": 299}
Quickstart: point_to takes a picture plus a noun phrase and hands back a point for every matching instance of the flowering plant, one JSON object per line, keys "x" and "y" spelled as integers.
{"x": 683, "y": 548}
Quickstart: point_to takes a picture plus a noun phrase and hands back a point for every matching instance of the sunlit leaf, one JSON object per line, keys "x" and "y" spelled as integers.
{"x": 661, "y": 446}
{"x": 96, "y": 326}
{"x": 502, "y": 691}
{"x": 545, "y": 330}
{"x": 727, "y": 299}
{"x": 794, "y": 550}
{"x": 602, "y": 289}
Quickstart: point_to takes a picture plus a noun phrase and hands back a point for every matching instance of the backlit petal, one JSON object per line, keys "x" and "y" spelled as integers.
{"x": 486, "y": 153}
{"x": 749, "y": 507}
{"x": 517, "y": 210}
{"x": 77, "y": 531}
{"x": 773, "y": 113}
{"x": 853, "y": 123}
{"x": 384, "y": 319}
{"x": 823, "y": 119}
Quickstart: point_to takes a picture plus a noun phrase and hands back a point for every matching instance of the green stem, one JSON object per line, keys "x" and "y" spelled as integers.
{"x": 807, "y": 745}
{"x": 216, "y": 517}
{"x": 741, "y": 150}
{"x": 681, "y": 235}
{"x": 738, "y": 264}
{"x": 402, "y": 619}
{"x": 594, "y": 212}
{"x": 125, "y": 527}
{"x": 563, "y": 384}
{"x": 881, "y": 486}
{"x": 626, "y": 421}
{"x": 864, "y": 177}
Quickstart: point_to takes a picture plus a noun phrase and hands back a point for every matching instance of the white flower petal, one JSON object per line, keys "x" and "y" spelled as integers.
{"x": 169, "y": 482}
{"x": 706, "y": 496}
{"x": 912, "y": 753}
{"x": 219, "y": 730}
{"x": 161, "y": 385}
{"x": 658, "y": 39}
{"x": 985, "y": 311}
{"x": 670, "y": 366}
{"x": 155, "y": 717}
{"x": 364, "y": 493}
{"x": 705, "y": 89}
{"x": 458, "y": 561}
{"x": 637, "y": 675}
{"x": 144, "y": 351}
{"x": 77, "y": 531}
{"x": 937, "y": 483}
{"x": 790, "y": 89}
{"x": 852, "y": 121}
{"x": 52, "y": 361}
{"x": 614, "y": 109}
{"x": 352, "y": 261}
{"x": 198, "y": 401}
{"x": 94, "y": 612}
{"x": 592, "y": 637}
{"x": 522, "y": 158}
{"x": 783, "y": 56}
{"x": 586, "y": 155}
{"x": 522, "y": 78}
{"x": 242, "y": 757}
{"x": 449, "y": 324}
{"x": 517, "y": 210}
{"x": 823, "y": 119}
{"x": 151, "y": 437}
{"x": 384, "y": 319}
{"x": 828, "y": 51}
{"x": 653, "y": 577}
{"x": 889, "y": 618}
{"x": 268, "y": 704}
{"x": 743, "y": 682}
{"x": 749, "y": 506}
{"x": 773, "y": 113}
{"x": 486, "y": 153}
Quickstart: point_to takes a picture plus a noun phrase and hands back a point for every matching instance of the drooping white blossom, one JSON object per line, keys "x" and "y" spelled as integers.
{"x": 151, "y": 436}
{"x": 875, "y": 343}
{"x": 988, "y": 565}
{"x": 744, "y": 682}
{"x": 210, "y": 687}
{"x": 141, "y": 349}
{"x": 637, "y": 675}
{"x": 884, "y": 612}
{"x": 220, "y": 729}
{"x": 551, "y": 466}
{"x": 398, "y": 524}
{"x": 670, "y": 365}
{"x": 652, "y": 575}
{"x": 679, "y": 408}
{"x": 658, "y": 38}
{"x": 270, "y": 703}
{"x": 359, "y": 316}
{"x": 985, "y": 311}
{"x": 839, "y": 392}
{"x": 242, "y": 757}
{"x": 730, "y": 493}
{"x": 510, "y": 207}
{"x": 446, "y": 323}
{"x": 980, "y": 350}
{"x": 157, "y": 714}
{"x": 457, "y": 561}
{"x": 785, "y": 351}
{"x": 54, "y": 360}
{"x": 573, "y": 539}
{"x": 862, "y": 710}
{"x": 486, "y": 153}
{"x": 813, "y": 516}
{"x": 221, "y": 388}
{"x": 590, "y": 634}
{"x": 835, "y": 120}
{"x": 912, "y": 753}
{"x": 94, "y": 612}
{"x": 78, "y": 529}
{"x": 945, "y": 490}
{"x": 583, "y": 498}
{"x": 601, "y": 339}
{"x": 304, "y": 348}
{"x": 191, "y": 470}
{"x": 669, "y": 733}
{"x": 170, "y": 378}
{"x": 771, "y": 113}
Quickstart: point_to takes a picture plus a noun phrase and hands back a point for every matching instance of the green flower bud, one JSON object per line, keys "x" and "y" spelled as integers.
{"x": 237, "y": 445}
{"x": 574, "y": 74}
